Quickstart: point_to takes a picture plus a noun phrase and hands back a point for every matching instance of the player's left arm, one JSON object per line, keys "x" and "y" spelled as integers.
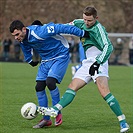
{"x": 104, "y": 43}
{"x": 107, "y": 49}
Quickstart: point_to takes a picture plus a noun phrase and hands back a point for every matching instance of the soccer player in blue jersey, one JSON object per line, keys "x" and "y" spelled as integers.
{"x": 54, "y": 52}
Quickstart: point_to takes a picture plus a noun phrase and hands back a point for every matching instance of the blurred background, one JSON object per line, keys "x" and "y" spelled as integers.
{"x": 115, "y": 15}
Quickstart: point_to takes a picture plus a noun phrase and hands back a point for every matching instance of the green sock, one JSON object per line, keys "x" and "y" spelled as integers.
{"x": 66, "y": 99}
{"x": 114, "y": 105}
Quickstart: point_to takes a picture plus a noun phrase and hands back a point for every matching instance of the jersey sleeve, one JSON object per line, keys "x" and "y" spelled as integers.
{"x": 64, "y": 29}
{"x": 51, "y": 29}
{"x": 105, "y": 44}
{"x": 27, "y": 52}
{"x": 104, "y": 56}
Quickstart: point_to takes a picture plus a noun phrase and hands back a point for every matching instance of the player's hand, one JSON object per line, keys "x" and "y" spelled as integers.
{"x": 86, "y": 34}
{"x": 94, "y": 68}
{"x": 34, "y": 63}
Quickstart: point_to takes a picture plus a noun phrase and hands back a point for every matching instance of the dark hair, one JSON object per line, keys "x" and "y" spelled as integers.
{"x": 16, "y": 24}
{"x": 37, "y": 22}
{"x": 88, "y": 11}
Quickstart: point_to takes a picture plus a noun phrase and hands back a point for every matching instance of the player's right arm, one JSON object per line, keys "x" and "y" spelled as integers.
{"x": 27, "y": 51}
{"x": 52, "y": 29}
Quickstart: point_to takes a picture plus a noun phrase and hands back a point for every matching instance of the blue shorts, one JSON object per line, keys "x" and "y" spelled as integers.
{"x": 53, "y": 68}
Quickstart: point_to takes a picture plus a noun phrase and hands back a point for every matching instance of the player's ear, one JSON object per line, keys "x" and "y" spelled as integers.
{"x": 24, "y": 29}
{"x": 96, "y": 17}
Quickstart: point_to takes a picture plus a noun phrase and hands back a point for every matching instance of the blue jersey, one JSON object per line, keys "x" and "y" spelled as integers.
{"x": 47, "y": 41}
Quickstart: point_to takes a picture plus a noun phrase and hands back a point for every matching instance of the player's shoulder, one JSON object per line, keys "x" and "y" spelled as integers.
{"x": 37, "y": 28}
{"x": 99, "y": 25}
{"x": 77, "y": 21}
{"x": 32, "y": 27}
{"x": 99, "y": 28}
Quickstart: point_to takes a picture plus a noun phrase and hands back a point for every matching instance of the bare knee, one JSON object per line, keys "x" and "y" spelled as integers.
{"x": 76, "y": 84}
{"x": 102, "y": 84}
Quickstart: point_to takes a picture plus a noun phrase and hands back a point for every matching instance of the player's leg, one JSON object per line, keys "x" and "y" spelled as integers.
{"x": 102, "y": 83}
{"x": 41, "y": 95}
{"x": 54, "y": 91}
{"x": 55, "y": 95}
{"x": 42, "y": 101}
{"x": 101, "y": 80}
{"x": 56, "y": 73}
{"x": 70, "y": 93}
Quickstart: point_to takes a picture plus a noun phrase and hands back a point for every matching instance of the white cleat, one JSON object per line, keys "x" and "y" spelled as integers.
{"x": 124, "y": 128}
{"x": 47, "y": 111}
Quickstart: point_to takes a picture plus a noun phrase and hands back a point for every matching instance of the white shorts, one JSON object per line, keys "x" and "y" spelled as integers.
{"x": 83, "y": 71}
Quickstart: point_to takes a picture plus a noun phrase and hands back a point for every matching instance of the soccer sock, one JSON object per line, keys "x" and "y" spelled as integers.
{"x": 66, "y": 99}
{"x": 43, "y": 101}
{"x": 55, "y": 95}
{"x": 115, "y": 107}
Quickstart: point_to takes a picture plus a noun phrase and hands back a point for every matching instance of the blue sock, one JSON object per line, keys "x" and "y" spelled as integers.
{"x": 43, "y": 101}
{"x": 55, "y": 95}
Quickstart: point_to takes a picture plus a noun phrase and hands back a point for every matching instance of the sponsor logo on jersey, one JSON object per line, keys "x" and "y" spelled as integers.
{"x": 50, "y": 29}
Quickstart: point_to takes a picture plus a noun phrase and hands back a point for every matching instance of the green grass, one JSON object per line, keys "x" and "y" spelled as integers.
{"x": 88, "y": 113}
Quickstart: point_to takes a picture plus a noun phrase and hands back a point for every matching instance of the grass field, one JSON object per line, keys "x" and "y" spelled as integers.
{"x": 88, "y": 113}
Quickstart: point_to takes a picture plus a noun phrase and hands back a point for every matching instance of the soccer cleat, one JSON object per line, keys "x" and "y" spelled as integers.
{"x": 43, "y": 123}
{"x": 41, "y": 110}
{"x": 124, "y": 127}
{"x": 47, "y": 111}
{"x": 58, "y": 120}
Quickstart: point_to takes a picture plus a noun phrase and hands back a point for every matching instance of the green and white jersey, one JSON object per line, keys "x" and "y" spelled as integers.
{"x": 98, "y": 38}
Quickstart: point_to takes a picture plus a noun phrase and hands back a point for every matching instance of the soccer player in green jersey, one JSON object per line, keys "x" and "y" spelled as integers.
{"x": 98, "y": 49}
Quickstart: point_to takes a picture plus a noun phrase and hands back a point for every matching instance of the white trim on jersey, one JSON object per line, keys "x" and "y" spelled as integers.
{"x": 62, "y": 39}
{"x": 104, "y": 39}
{"x": 42, "y": 61}
{"x": 36, "y": 36}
